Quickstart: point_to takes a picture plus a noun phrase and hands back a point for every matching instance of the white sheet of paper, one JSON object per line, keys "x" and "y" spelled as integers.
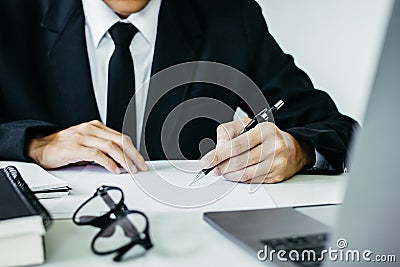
{"x": 179, "y": 174}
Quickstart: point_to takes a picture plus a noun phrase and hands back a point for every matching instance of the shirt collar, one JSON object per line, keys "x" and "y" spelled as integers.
{"x": 99, "y": 18}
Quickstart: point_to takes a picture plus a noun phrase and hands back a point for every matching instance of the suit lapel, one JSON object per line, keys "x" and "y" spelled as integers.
{"x": 65, "y": 42}
{"x": 178, "y": 41}
{"x": 178, "y": 35}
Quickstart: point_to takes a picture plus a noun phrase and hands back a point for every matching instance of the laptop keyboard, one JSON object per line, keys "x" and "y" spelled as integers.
{"x": 314, "y": 242}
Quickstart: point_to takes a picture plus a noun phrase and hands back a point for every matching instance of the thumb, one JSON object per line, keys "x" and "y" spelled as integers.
{"x": 228, "y": 131}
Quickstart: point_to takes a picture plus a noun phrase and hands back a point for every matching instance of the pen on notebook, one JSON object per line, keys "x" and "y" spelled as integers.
{"x": 263, "y": 116}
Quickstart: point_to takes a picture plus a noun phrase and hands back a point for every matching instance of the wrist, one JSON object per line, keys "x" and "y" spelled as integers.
{"x": 307, "y": 154}
{"x": 303, "y": 153}
{"x": 33, "y": 149}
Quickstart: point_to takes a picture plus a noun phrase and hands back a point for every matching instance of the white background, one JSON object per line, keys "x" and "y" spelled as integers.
{"x": 336, "y": 42}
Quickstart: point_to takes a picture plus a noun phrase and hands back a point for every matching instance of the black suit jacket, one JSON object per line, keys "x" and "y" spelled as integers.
{"x": 45, "y": 81}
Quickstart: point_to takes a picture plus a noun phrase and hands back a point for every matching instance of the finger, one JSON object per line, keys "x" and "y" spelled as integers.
{"x": 250, "y": 172}
{"x": 99, "y": 124}
{"x": 276, "y": 174}
{"x": 124, "y": 141}
{"x": 239, "y": 145}
{"x": 241, "y": 161}
{"x": 228, "y": 131}
{"x": 271, "y": 178}
{"x": 257, "y": 180}
{"x": 95, "y": 155}
{"x": 133, "y": 153}
{"x": 111, "y": 149}
{"x": 226, "y": 151}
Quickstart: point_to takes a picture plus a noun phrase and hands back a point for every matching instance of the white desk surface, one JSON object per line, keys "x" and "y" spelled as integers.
{"x": 181, "y": 237}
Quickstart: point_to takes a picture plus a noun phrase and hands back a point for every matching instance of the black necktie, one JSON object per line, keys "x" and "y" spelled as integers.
{"x": 121, "y": 75}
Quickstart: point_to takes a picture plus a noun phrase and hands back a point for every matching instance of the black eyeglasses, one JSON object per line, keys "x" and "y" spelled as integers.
{"x": 120, "y": 229}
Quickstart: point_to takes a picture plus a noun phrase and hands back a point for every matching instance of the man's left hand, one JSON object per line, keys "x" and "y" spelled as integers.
{"x": 265, "y": 154}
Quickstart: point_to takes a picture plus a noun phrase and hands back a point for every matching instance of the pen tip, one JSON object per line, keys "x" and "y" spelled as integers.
{"x": 197, "y": 178}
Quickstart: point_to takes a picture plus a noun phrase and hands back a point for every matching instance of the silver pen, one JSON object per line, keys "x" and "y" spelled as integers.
{"x": 262, "y": 116}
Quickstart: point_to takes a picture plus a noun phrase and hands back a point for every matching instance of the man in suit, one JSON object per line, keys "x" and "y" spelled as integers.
{"x": 65, "y": 64}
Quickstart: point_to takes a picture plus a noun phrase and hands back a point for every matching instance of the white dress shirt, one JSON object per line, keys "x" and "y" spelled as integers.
{"x": 98, "y": 20}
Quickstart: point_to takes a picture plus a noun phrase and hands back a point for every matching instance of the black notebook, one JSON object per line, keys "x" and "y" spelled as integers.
{"x": 23, "y": 221}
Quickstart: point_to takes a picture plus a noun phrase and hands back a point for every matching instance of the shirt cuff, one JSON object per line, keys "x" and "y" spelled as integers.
{"x": 322, "y": 166}
{"x": 321, "y": 163}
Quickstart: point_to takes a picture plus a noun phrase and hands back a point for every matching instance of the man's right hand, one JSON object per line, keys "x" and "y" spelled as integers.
{"x": 87, "y": 142}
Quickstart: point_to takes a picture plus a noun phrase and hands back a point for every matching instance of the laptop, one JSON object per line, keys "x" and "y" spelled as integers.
{"x": 367, "y": 231}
